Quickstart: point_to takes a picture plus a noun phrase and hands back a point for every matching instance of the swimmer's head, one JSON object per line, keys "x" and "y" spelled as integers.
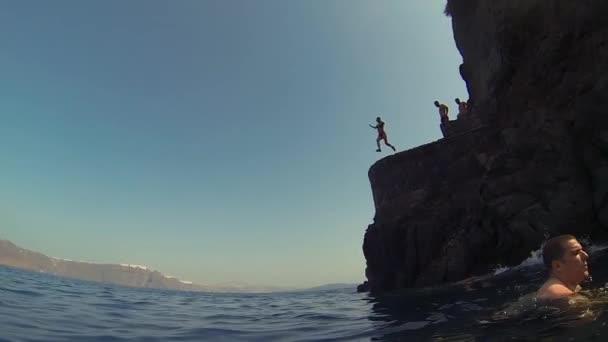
{"x": 378, "y": 119}
{"x": 565, "y": 259}
{"x": 457, "y": 100}
{"x": 436, "y": 103}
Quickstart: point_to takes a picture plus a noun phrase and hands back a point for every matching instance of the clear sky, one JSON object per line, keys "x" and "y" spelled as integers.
{"x": 212, "y": 140}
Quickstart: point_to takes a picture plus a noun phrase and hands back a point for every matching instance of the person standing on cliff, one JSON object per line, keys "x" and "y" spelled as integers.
{"x": 443, "y": 111}
{"x": 463, "y": 107}
{"x": 381, "y": 134}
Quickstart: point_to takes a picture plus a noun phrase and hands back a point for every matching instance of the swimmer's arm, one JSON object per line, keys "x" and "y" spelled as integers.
{"x": 374, "y": 127}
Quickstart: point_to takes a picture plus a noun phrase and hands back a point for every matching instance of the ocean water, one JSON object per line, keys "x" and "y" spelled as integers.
{"x": 496, "y": 307}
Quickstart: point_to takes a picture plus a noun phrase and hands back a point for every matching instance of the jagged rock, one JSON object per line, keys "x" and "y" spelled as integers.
{"x": 363, "y": 287}
{"x": 535, "y": 164}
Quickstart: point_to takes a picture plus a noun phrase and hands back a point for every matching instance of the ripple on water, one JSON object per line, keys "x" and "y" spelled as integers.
{"x": 74, "y": 311}
{"x": 22, "y": 292}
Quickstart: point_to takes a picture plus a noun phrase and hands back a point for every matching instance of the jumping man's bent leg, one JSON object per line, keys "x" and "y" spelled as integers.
{"x": 389, "y": 145}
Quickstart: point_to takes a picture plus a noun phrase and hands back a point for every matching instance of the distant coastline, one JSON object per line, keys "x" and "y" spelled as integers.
{"x": 128, "y": 274}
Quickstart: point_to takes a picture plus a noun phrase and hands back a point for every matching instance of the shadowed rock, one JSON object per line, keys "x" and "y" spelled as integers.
{"x": 534, "y": 164}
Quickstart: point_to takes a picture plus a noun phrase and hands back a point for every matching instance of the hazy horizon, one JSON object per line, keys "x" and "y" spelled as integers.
{"x": 28, "y": 264}
{"x": 215, "y": 141}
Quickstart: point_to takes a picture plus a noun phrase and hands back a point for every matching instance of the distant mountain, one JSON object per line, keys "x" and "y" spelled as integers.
{"x": 121, "y": 274}
{"x": 128, "y": 274}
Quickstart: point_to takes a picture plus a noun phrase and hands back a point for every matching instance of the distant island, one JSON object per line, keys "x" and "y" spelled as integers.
{"x": 124, "y": 274}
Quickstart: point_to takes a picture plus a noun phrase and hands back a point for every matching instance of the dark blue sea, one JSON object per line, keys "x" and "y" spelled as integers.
{"x": 495, "y": 307}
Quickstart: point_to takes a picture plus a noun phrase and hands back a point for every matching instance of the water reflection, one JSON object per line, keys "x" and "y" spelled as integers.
{"x": 495, "y": 308}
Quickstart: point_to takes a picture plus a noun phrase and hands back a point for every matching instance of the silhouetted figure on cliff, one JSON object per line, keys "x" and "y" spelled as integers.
{"x": 381, "y": 134}
{"x": 463, "y": 107}
{"x": 443, "y": 111}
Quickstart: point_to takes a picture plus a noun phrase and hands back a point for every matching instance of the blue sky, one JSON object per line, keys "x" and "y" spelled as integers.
{"x": 213, "y": 140}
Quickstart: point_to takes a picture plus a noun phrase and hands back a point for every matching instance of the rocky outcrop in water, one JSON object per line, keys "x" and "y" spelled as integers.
{"x": 533, "y": 164}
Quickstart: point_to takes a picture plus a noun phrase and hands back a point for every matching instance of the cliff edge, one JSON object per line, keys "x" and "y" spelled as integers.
{"x": 534, "y": 164}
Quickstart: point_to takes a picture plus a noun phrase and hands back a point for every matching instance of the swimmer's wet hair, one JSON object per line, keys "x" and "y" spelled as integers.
{"x": 555, "y": 248}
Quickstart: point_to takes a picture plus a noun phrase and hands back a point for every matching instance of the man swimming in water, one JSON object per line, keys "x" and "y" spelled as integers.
{"x": 381, "y": 134}
{"x": 566, "y": 261}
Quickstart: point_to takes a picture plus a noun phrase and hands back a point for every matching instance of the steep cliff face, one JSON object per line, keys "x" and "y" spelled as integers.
{"x": 537, "y": 75}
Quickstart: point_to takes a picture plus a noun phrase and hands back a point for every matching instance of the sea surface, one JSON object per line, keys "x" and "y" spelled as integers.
{"x": 495, "y": 307}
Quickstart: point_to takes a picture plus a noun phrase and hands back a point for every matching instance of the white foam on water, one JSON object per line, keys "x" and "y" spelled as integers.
{"x": 500, "y": 269}
{"x": 595, "y": 249}
{"x": 536, "y": 258}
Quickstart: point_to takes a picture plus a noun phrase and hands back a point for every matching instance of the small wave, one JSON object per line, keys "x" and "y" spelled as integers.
{"x": 501, "y": 269}
{"x": 114, "y": 306}
{"x": 226, "y": 317}
{"x": 101, "y": 338}
{"x": 117, "y": 314}
{"x": 143, "y": 315}
{"x": 413, "y": 325}
{"x": 143, "y": 302}
{"x": 22, "y": 292}
{"x": 594, "y": 249}
{"x": 318, "y": 316}
{"x": 208, "y": 334}
{"x": 437, "y": 317}
{"x": 536, "y": 258}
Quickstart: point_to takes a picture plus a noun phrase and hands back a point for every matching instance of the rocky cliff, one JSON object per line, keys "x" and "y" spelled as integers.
{"x": 535, "y": 164}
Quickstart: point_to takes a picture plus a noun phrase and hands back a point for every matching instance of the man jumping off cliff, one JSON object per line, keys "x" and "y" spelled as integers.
{"x": 381, "y": 134}
{"x": 443, "y": 111}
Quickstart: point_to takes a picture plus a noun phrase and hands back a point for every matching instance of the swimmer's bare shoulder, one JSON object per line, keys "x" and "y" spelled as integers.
{"x": 553, "y": 289}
